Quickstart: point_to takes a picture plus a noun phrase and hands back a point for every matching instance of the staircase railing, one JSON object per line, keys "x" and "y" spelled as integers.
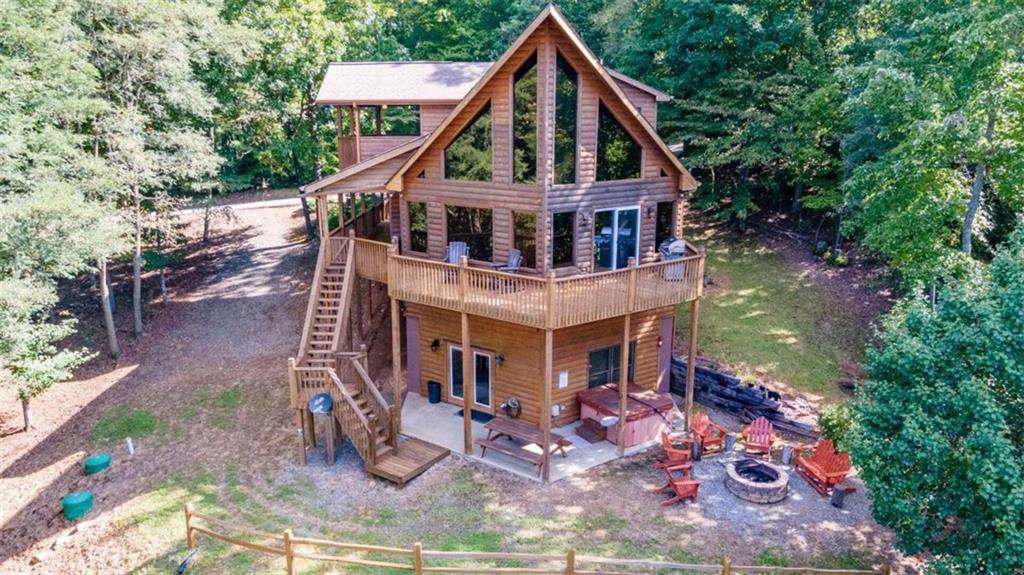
{"x": 345, "y": 300}
{"x": 361, "y": 432}
{"x": 314, "y": 297}
{"x": 362, "y": 381}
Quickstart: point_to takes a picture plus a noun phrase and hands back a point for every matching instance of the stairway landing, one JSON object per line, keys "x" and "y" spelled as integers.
{"x": 412, "y": 458}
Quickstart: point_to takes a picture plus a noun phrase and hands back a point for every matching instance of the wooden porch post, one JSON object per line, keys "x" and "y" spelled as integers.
{"x": 691, "y": 360}
{"x": 468, "y": 389}
{"x": 396, "y": 369}
{"x": 356, "y": 128}
{"x": 321, "y": 217}
{"x": 624, "y": 359}
{"x": 545, "y": 415}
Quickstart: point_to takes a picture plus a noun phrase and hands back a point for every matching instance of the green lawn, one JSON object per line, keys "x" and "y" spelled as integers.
{"x": 763, "y": 319}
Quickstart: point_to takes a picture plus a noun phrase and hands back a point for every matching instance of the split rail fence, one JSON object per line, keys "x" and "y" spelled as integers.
{"x": 418, "y": 560}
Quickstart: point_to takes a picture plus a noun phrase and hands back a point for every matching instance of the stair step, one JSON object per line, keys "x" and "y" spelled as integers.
{"x": 383, "y": 450}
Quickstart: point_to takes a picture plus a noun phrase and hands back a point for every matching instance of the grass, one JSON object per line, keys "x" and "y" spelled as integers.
{"x": 764, "y": 319}
{"x": 218, "y": 408}
{"x": 122, "y": 422}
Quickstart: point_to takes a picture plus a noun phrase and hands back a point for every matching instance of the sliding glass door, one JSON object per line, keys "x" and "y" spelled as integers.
{"x": 616, "y": 237}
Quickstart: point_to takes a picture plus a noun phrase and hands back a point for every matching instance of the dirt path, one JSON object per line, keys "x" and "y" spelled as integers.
{"x": 233, "y": 317}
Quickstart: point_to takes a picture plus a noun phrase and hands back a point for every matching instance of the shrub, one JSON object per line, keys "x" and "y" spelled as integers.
{"x": 836, "y": 421}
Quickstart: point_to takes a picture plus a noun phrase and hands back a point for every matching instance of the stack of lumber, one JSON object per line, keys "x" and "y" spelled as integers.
{"x": 747, "y": 401}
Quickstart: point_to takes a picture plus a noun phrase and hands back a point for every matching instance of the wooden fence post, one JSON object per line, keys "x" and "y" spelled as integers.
{"x": 886, "y": 568}
{"x": 289, "y": 558}
{"x": 190, "y": 537}
{"x": 726, "y": 566}
{"x": 570, "y": 561}
{"x": 417, "y": 558}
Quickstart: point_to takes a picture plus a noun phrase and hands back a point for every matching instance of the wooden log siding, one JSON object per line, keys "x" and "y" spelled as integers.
{"x": 573, "y": 346}
{"x": 522, "y": 347}
{"x": 644, "y": 101}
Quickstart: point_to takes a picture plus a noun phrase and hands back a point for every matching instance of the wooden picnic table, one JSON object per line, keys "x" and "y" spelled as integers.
{"x": 522, "y": 431}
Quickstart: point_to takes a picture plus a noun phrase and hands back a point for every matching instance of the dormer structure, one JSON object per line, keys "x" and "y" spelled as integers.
{"x": 526, "y": 219}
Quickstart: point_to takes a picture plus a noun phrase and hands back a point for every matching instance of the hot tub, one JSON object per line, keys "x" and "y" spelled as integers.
{"x": 648, "y": 413}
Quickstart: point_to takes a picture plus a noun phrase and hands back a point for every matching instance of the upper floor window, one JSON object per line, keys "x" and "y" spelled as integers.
{"x": 468, "y": 157}
{"x": 618, "y": 154}
{"x": 474, "y": 227}
{"x": 524, "y": 122}
{"x": 384, "y": 121}
{"x": 418, "y": 226}
{"x": 524, "y": 237}
{"x": 566, "y": 96}
{"x": 563, "y": 239}
{"x": 663, "y": 227}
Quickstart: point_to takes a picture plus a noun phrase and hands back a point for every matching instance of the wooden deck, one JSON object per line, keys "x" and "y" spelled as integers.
{"x": 412, "y": 458}
{"x": 532, "y": 300}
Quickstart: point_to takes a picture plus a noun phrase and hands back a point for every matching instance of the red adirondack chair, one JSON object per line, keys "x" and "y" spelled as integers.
{"x": 710, "y": 433}
{"x": 679, "y": 482}
{"x": 674, "y": 455}
{"x": 759, "y": 437}
{"x": 824, "y": 468}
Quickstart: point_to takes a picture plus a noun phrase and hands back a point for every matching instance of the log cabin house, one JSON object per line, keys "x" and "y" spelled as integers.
{"x": 512, "y": 211}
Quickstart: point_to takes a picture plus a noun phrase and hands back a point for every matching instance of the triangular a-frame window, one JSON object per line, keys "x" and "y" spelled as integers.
{"x": 468, "y": 157}
{"x": 524, "y": 122}
{"x": 618, "y": 154}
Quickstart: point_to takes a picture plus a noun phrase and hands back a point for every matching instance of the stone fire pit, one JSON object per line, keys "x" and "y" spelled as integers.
{"x": 756, "y": 481}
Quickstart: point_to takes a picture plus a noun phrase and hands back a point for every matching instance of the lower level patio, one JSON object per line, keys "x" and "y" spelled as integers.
{"x": 442, "y": 424}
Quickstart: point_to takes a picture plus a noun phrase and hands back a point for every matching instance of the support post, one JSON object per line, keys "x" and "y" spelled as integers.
{"x": 358, "y": 133}
{"x": 624, "y": 360}
{"x": 289, "y": 553}
{"x": 396, "y": 368}
{"x": 417, "y": 558}
{"x": 691, "y": 360}
{"x": 726, "y": 566}
{"x": 570, "y": 561}
{"x": 190, "y": 536}
{"x": 549, "y": 339}
{"x": 321, "y": 217}
{"x": 468, "y": 387}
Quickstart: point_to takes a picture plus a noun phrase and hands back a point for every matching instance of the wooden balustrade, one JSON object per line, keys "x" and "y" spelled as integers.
{"x": 372, "y": 259}
{"x": 525, "y": 299}
{"x": 361, "y": 431}
{"x": 583, "y": 299}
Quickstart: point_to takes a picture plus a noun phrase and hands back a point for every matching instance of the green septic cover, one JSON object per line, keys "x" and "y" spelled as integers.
{"x": 77, "y": 504}
{"x": 97, "y": 463}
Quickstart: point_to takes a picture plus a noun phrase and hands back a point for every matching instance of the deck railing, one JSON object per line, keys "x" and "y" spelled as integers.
{"x": 536, "y": 301}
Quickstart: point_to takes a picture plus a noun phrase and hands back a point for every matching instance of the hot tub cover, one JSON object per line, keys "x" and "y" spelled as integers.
{"x": 640, "y": 403}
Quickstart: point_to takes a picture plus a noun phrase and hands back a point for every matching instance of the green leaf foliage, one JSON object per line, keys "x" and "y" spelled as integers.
{"x": 938, "y": 424}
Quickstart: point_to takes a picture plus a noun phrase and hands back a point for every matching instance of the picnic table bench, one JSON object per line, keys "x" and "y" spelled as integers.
{"x": 503, "y": 426}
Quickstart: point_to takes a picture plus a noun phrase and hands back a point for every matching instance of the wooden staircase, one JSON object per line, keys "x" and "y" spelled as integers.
{"x": 326, "y": 363}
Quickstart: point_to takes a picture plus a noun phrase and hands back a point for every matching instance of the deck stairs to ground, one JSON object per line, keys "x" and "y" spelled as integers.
{"x": 327, "y": 363}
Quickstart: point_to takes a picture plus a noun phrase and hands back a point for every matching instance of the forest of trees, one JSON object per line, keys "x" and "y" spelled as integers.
{"x": 892, "y": 125}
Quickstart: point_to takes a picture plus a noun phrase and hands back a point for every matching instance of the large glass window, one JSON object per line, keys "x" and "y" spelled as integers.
{"x": 418, "y": 226}
{"x": 566, "y": 95}
{"x": 605, "y": 365}
{"x": 474, "y": 226}
{"x": 618, "y": 154}
{"x": 524, "y": 237}
{"x": 663, "y": 226}
{"x": 389, "y": 120}
{"x": 563, "y": 239}
{"x": 468, "y": 157}
{"x": 524, "y": 123}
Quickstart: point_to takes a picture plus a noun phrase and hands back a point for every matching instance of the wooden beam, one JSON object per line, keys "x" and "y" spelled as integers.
{"x": 623, "y": 386}
{"x": 396, "y": 369}
{"x": 624, "y": 359}
{"x": 468, "y": 389}
{"x": 545, "y": 416}
{"x": 691, "y": 360}
{"x": 355, "y": 126}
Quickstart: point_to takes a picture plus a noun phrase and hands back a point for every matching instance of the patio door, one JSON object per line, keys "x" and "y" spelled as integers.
{"x": 482, "y": 376}
{"x": 616, "y": 237}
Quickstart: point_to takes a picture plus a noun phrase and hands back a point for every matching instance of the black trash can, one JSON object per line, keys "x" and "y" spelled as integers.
{"x": 434, "y": 391}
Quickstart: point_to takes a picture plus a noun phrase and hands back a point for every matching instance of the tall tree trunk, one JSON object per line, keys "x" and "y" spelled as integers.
{"x": 108, "y": 312}
{"x": 310, "y": 230}
{"x": 26, "y": 414}
{"x": 137, "y": 265}
{"x": 976, "y": 188}
{"x": 798, "y": 194}
{"x": 839, "y": 232}
{"x": 163, "y": 269}
{"x": 206, "y": 217}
